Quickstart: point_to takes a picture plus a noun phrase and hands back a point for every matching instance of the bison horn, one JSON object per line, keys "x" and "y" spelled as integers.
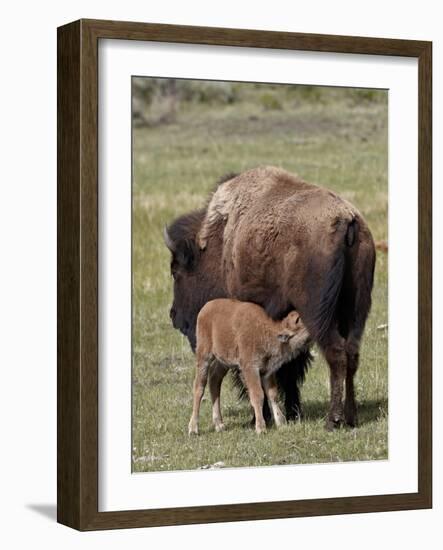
{"x": 168, "y": 241}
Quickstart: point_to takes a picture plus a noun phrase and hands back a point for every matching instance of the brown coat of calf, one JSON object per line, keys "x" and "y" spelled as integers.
{"x": 238, "y": 334}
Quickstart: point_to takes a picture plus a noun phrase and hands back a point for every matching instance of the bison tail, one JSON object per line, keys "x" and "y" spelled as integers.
{"x": 325, "y": 280}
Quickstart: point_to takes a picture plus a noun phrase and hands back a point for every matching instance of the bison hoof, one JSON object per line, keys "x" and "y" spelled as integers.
{"x": 351, "y": 422}
{"x": 351, "y": 418}
{"x": 294, "y": 415}
{"x": 334, "y": 422}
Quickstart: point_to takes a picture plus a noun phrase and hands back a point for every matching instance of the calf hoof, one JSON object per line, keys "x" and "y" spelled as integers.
{"x": 268, "y": 420}
{"x": 192, "y": 429}
{"x": 260, "y": 429}
{"x": 219, "y": 427}
{"x": 334, "y": 422}
{"x": 280, "y": 420}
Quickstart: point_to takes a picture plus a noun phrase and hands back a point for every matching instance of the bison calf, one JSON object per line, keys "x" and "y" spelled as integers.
{"x": 238, "y": 334}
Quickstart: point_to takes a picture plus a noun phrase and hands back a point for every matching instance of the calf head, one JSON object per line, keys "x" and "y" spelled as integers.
{"x": 293, "y": 331}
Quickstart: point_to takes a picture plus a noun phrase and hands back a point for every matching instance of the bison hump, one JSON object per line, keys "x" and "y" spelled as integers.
{"x": 236, "y": 196}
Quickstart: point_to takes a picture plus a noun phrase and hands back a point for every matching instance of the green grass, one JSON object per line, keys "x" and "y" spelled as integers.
{"x": 334, "y": 138}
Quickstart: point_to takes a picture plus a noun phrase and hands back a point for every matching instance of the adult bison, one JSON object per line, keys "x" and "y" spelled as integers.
{"x": 266, "y": 236}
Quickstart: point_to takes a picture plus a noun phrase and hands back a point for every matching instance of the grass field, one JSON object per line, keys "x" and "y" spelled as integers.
{"x": 336, "y": 138}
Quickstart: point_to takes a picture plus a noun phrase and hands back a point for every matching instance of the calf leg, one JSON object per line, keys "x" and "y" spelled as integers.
{"x": 256, "y": 395}
{"x": 267, "y": 415}
{"x": 240, "y": 383}
{"x": 335, "y": 354}
{"x": 271, "y": 391}
{"x": 216, "y": 376}
{"x": 201, "y": 377}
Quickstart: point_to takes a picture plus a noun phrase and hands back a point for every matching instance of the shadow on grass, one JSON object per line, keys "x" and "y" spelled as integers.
{"x": 368, "y": 411}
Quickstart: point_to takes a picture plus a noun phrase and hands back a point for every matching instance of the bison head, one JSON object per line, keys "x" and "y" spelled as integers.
{"x": 195, "y": 279}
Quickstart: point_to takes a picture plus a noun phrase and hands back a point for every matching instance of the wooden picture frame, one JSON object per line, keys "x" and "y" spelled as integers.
{"x": 77, "y": 455}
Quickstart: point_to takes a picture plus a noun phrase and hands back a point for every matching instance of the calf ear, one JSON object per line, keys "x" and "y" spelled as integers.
{"x": 284, "y": 336}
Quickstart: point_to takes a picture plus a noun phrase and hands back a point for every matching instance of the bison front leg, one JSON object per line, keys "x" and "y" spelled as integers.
{"x": 290, "y": 378}
{"x": 335, "y": 354}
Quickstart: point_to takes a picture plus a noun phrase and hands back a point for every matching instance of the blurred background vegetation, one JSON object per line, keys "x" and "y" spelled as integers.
{"x": 160, "y": 101}
{"x": 186, "y": 135}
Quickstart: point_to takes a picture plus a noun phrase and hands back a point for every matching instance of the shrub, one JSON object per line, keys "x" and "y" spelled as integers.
{"x": 270, "y": 102}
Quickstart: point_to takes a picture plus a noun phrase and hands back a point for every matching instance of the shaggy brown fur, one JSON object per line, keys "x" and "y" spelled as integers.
{"x": 240, "y": 335}
{"x": 270, "y": 238}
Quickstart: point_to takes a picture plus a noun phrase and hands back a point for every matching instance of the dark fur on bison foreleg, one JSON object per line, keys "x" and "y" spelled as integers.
{"x": 290, "y": 377}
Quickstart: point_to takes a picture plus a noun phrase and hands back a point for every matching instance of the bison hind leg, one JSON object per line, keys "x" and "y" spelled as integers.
{"x": 334, "y": 350}
{"x": 353, "y": 311}
{"x": 350, "y": 409}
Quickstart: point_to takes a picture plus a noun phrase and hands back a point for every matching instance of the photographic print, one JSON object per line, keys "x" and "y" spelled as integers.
{"x": 242, "y": 217}
{"x": 259, "y": 274}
